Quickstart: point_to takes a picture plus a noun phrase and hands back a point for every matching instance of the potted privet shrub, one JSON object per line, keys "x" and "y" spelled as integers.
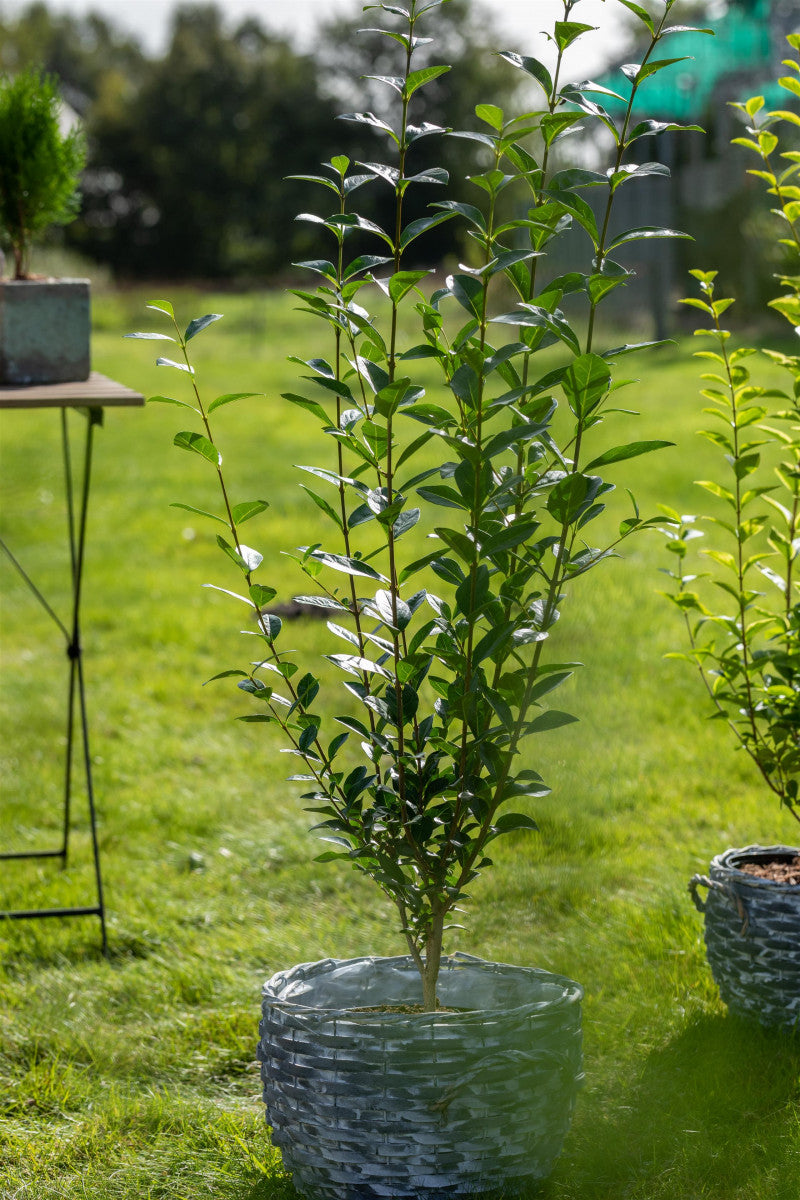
{"x": 44, "y": 323}
{"x": 742, "y": 614}
{"x": 458, "y": 520}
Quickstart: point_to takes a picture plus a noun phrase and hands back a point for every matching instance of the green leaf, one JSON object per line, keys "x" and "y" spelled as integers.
{"x": 509, "y": 538}
{"x": 790, "y": 84}
{"x": 541, "y": 318}
{"x": 245, "y": 557}
{"x": 383, "y": 603}
{"x": 312, "y": 406}
{"x": 585, "y": 382}
{"x": 260, "y": 594}
{"x": 658, "y": 64}
{"x": 645, "y": 232}
{"x": 442, "y": 495}
{"x": 402, "y": 282}
{"x": 150, "y": 337}
{"x": 171, "y": 400}
{"x": 323, "y": 504}
{"x": 199, "y": 444}
{"x": 650, "y": 128}
{"x": 469, "y": 212}
{"x": 369, "y": 118}
{"x": 249, "y": 508}
{"x": 511, "y": 822}
{"x": 271, "y": 624}
{"x": 168, "y": 362}
{"x": 229, "y": 398}
{"x": 407, "y": 520}
{"x": 200, "y": 512}
{"x": 465, "y": 385}
{"x": 631, "y": 450}
{"x": 162, "y": 306}
{"x": 339, "y": 562}
{"x": 582, "y": 212}
{"x": 641, "y": 13}
{"x": 490, "y": 114}
{"x": 598, "y": 286}
{"x": 420, "y": 226}
{"x": 468, "y": 291}
{"x": 555, "y": 125}
{"x": 418, "y": 79}
{"x": 531, "y": 66}
{"x": 228, "y": 592}
{"x": 569, "y": 496}
{"x": 552, "y": 719}
{"x": 200, "y": 323}
{"x": 566, "y": 32}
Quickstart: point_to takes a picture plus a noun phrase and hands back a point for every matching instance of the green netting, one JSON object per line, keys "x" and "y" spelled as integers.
{"x": 683, "y": 92}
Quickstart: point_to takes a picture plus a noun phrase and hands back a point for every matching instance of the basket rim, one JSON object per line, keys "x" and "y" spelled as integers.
{"x": 724, "y": 863}
{"x": 571, "y": 992}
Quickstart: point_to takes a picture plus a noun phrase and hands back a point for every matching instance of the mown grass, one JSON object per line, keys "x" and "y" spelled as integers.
{"x": 135, "y": 1077}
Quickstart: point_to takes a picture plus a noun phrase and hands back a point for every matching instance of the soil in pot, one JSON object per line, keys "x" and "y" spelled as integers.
{"x": 779, "y": 870}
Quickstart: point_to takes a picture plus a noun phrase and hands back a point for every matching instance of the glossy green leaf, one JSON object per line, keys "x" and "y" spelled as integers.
{"x": 642, "y": 13}
{"x": 249, "y": 508}
{"x": 631, "y": 450}
{"x": 172, "y": 400}
{"x": 567, "y": 32}
{"x": 551, "y": 719}
{"x": 199, "y": 324}
{"x": 490, "y": 114}
{"x": 531, "y": 66}
{"x": 150, "y": 337}
{"x": 585, "y": 382}
{"x": 230, "y": 398}
{"x": 348, "y": 566}
{"x": 418, "y": 79}
{"x": 200, "y": 512}
{"x": 169, "y": 362}
{"x": 645, "y": 232}
{"x": 162, "y": 306}
{"x": 199, "y": 444}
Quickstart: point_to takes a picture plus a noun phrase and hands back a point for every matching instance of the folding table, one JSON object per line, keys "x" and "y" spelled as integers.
{"x": 88, "y": 398}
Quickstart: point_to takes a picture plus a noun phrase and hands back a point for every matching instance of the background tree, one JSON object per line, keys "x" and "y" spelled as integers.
{"x": 192, "y": 169}
{"x": 88, "y": 54}
{"x": 189, "y": 153}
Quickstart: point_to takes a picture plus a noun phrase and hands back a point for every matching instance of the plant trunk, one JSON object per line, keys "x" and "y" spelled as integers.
{"x": 19, "y": 262}
{"x": 430, "y": 966}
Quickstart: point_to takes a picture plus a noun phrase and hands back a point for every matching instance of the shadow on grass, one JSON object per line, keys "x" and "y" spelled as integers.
{"x": 714, "y": 1113}
{"x": 264, "y": 1187}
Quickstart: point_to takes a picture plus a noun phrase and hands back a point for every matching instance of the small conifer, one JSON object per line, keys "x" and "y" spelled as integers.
{"x": 39, "y": 165}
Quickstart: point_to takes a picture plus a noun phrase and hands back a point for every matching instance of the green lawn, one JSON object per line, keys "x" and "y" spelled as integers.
{"x": 136, "y": 1077}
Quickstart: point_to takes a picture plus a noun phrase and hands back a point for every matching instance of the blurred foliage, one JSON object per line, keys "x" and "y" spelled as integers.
{"x": 189, "y": 153}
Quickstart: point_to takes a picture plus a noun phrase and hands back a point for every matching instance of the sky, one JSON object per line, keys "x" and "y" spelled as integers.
{"x": 519, "y": 20}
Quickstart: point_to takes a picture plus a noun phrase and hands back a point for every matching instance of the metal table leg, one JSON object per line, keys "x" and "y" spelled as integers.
{"x": 76, "y": 700}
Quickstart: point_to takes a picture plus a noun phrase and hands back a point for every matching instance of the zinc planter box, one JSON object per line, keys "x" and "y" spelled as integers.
{"x": 368, "y": 1098}
{"x": 44, "y": 331}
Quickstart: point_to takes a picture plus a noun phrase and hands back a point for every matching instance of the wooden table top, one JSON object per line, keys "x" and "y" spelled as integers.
{"x": 98, "y": 391}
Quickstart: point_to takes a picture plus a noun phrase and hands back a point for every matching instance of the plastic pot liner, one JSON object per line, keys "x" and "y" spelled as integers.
{"x": 752, "y": 933}
{"x": 366, "y": 1105}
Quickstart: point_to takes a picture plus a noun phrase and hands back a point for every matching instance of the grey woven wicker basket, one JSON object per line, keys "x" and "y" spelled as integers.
{"x": 416, "y": 1106}
{"x": 752, "y": 933}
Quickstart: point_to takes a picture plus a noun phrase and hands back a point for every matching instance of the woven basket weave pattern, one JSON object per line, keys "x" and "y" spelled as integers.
{"x": 393, "y": 1105}
{"x": 752, "y": 932}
